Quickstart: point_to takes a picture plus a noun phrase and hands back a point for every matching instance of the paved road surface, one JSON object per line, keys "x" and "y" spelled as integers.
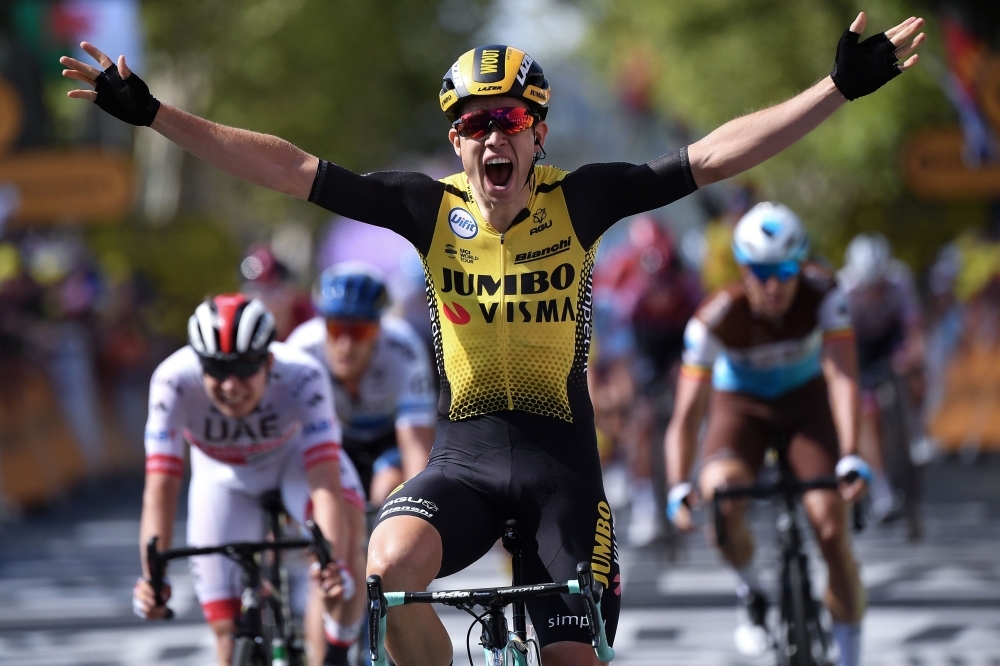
{"x": 65, "y": 579}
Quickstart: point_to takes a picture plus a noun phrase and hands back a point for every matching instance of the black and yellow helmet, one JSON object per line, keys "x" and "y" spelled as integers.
{"x": 496, "y": 69}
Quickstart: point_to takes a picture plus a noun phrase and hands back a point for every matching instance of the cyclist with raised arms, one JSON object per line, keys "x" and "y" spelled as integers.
{"x": 772, "y": 356}
{"x": 382, "y": 384}
{"x": 258, "y": 417}
{"x": 508, "y": 248}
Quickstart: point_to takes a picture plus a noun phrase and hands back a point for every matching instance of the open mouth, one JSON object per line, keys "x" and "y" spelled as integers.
{"x": 499, "y": 171}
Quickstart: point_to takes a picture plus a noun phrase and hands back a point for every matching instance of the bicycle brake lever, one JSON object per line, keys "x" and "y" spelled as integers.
{"x": 376, "y": 619}
{"x": 585, "y": 577}
{"x": 157, "y": 574}
{"x": 319, "y": 546}
{"x": 860, "y": 514}
{"x": 592, "y": 592}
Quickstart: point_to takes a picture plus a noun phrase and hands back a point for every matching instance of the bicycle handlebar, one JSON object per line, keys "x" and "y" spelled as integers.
{"x": 783, "y": 487}
{"x": 157, "y": 560}
{"x": 379, "y": 602}
{"x": 765, "y": 490}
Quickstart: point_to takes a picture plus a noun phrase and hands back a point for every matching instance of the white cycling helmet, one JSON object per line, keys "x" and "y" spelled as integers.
{"x": 867, "y": 259}
{"x": 770, "y": 233}
{"x": 231, "y": 327}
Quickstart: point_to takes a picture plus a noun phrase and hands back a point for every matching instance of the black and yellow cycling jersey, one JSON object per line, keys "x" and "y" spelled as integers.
{"x": 511, "y": 312}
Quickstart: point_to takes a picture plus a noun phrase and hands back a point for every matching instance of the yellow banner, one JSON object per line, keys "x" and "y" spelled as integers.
{"x": 71, "y": 186}
{"x": 934, "y": 168}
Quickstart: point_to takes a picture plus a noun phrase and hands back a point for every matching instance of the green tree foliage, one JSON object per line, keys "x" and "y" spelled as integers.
{"x": 352, "y": 81}
{"x": 355, "y": 82}
{"x": 714, "y": 60}
{"x": 185, "y": 261}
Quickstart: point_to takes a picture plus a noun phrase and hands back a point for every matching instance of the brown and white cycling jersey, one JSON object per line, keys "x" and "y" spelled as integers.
{"x": 746, "y": 353}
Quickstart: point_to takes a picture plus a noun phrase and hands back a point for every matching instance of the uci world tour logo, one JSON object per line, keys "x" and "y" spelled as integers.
{"x": 462, "y": 223}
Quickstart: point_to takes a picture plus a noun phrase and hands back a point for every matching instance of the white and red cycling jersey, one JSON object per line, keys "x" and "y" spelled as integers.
{"x": 296, "y": 412}
{"x": 235, "y": 460}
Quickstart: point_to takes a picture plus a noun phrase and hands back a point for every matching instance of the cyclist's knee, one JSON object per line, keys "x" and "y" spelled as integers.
{"x": 406, "y": 552}
{"x": 829, "y": 519}
{"x": 724, "y": 473}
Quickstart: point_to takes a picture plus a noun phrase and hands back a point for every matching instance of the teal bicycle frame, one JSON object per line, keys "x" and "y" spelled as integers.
{"x": 499, "y": 644}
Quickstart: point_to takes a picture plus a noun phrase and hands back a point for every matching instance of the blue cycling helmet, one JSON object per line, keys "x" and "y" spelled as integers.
{"x": 351, "y": 290}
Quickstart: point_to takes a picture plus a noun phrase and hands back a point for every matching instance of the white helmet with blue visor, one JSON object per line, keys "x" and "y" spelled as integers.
{"x": 771, "y": 241}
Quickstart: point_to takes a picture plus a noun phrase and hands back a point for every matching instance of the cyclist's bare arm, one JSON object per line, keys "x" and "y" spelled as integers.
{"x": 414, "y": 447}
{"x": 329, "y": 510}
{"x": 681, "y": 439}
{"x": 913, "y": 350}
{"x": 259, "y": 158}
{"x": 745, "y": 142}
{"x": 159, "y": 508}
{"x": 840, "y": 370}
{"x": 262, "y": 159}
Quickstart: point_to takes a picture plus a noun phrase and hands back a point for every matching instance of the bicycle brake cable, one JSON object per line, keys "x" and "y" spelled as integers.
{"x": 468, "y": 634}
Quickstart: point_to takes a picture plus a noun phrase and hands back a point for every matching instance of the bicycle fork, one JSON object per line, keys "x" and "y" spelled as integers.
{"x": 799, "y": 609}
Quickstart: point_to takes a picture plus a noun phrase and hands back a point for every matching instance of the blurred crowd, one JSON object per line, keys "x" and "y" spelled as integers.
{"x": 76, "y": 355}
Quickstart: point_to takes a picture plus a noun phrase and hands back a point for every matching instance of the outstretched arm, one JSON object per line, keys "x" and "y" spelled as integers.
{"x": 262, "y": 159}
{"x": 259, "y": 158}
{"x": 745, "y": 142}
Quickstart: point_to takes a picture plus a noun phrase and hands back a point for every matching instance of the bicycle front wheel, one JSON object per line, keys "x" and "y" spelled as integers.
{"x": 247, "y": 652}
{"x": 797, "y": 647}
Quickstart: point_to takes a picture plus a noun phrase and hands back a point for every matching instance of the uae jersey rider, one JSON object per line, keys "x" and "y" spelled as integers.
{"x": 295, "y": 417}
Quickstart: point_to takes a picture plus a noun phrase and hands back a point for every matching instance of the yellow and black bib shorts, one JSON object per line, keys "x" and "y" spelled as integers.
{"x": 512, "y": 315}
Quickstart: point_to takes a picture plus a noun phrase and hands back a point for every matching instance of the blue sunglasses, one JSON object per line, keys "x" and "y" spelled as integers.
{"x": 784, "y": 270}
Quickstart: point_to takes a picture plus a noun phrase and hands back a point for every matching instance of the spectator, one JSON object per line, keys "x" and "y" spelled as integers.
{"x": 270, "y": 280}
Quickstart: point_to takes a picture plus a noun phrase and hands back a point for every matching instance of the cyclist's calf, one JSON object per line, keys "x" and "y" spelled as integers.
{"x": 845, "y": 597}
{"x": 223, "y": 630}
{"x": 722, "y": 473}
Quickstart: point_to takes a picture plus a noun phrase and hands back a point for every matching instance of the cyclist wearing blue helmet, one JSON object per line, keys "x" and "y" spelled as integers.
{"x": 383, "y": 387}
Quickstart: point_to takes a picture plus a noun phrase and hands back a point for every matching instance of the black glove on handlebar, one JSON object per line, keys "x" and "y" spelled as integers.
{"x": 862, "y": 68}
{"x": 128, "y": 99}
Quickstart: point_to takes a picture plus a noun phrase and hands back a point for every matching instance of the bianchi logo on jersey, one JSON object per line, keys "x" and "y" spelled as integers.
{"x": 535, "y": 255}
{"x": 462, "y": 223}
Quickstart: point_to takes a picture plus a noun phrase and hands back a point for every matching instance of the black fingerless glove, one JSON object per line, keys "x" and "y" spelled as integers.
{"x": 128, "y": 99}
{"x": 862, "y": 68}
